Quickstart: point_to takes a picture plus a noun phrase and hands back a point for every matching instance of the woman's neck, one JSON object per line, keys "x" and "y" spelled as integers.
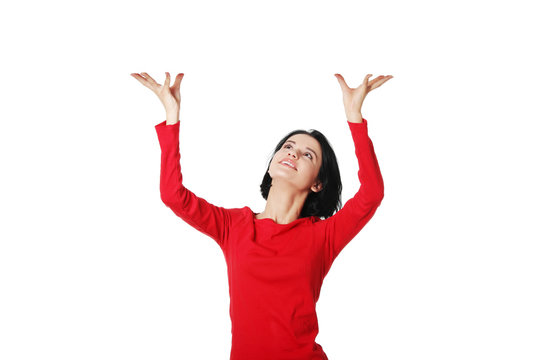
{"x": 283, "y": 205}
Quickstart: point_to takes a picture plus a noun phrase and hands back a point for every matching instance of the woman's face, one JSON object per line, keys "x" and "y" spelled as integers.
{"x": 304, "y": 153}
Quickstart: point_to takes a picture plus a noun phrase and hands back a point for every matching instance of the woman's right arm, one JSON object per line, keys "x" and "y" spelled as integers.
{"x": 207, "y": 218}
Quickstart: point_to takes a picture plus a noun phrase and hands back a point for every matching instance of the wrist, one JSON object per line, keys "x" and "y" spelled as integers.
{"x": 172, "y": 117}
{"x": 356, "y": 118}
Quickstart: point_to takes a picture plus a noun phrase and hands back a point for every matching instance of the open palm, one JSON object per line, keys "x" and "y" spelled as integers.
{"x": 353, "y": 98}
{"x": 168, "y": 95}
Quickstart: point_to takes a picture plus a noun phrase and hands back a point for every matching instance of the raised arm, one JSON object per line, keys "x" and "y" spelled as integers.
{"x": 343, "y": 226}
{"x": 207, "y": 218}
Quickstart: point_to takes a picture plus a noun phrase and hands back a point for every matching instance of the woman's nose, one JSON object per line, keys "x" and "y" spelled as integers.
{"x": 292, "y": 153}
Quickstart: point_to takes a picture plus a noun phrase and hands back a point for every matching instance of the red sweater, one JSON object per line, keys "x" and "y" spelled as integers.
{"x": 275, "y": 271}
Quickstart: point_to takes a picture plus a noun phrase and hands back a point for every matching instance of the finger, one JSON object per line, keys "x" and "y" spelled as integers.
{"x": 177, "y": 81}
{"x": 167, "y": 79}
{"x": 142, "y": 80}
{"x": 381, "y": 81}
{"x": 342, "y": 82}
{"x": 150, "y": 79}
{"x": 375, "y": 80}
{"x": 365, "y": 83}
{"x": 176, "y": 86}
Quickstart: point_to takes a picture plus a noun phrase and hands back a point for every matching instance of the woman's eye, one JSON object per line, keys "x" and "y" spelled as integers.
{"x": 287, "y": 145}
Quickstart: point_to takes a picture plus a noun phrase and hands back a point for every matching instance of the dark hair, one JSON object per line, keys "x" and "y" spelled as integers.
{"x": 327, "y": 201}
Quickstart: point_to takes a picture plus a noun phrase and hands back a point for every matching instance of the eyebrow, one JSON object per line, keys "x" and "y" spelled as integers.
{"x": 306, "y": 147}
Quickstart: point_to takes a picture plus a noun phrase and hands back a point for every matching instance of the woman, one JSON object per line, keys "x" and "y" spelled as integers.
{"x": 277, "y": 259}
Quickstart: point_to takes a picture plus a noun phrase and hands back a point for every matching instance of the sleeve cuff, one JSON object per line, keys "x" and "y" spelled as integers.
{"x": 364, "y": 122}
{"x": 358, "y": 128}
{"x": 164, "y": 123}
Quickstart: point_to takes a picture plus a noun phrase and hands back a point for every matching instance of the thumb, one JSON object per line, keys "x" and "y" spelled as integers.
{"x": 167, "y": 79}
{"x": 342, "y": 82}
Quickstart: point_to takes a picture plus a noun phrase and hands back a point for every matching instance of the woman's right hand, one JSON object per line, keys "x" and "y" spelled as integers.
{"x": 169, "y": 96}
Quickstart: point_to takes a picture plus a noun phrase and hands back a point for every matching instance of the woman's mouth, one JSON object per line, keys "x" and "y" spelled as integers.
{"x": 288, "y": 164}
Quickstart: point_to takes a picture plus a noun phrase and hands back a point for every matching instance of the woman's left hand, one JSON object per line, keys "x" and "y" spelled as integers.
{"x": 354, "y": 98}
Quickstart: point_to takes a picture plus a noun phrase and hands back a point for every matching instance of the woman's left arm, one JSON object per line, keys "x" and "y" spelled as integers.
{"x": 343, "y": 226}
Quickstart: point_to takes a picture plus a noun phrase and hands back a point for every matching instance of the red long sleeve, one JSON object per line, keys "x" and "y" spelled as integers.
{"x": 344, "y": 225}
{"x": 209, "y": 219}
{"x": 275, "y": 271}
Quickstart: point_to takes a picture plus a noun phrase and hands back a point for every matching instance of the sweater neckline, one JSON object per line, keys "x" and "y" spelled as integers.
{"x": 271, "y": 221}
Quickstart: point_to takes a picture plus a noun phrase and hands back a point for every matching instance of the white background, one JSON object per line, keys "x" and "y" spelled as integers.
{"x": 94, "y": 266}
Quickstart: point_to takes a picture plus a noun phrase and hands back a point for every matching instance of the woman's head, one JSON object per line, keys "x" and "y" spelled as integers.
{"x": 315, "y": 169}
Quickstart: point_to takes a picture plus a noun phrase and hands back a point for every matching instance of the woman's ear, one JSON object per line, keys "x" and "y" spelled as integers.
{"x": 317, "y": 187}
